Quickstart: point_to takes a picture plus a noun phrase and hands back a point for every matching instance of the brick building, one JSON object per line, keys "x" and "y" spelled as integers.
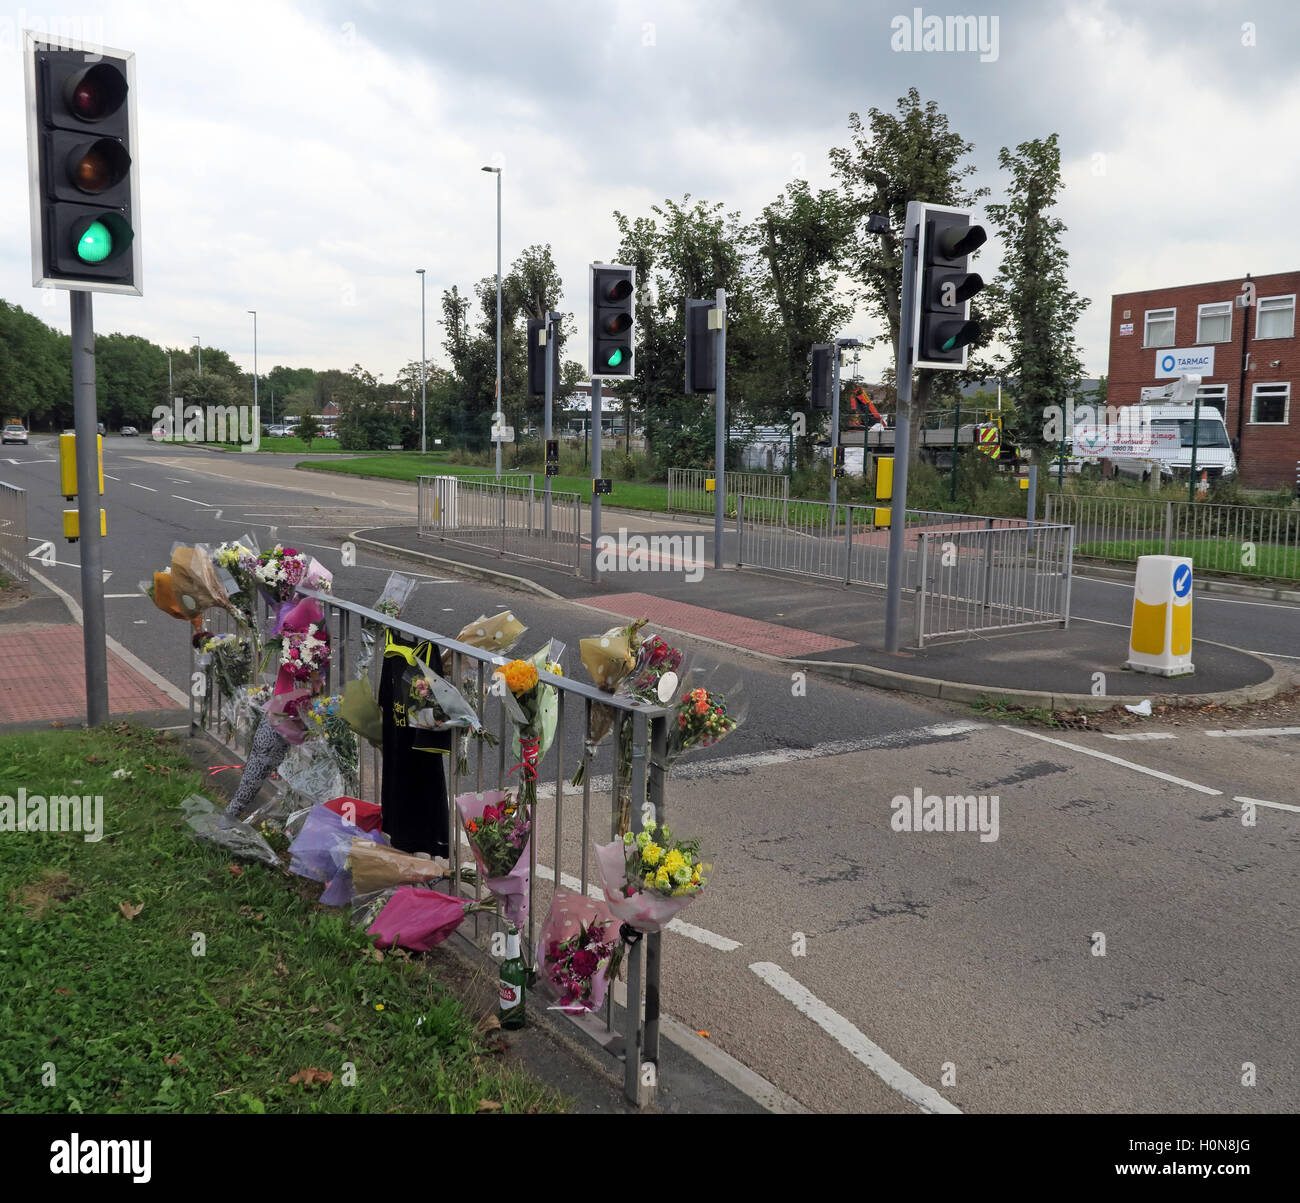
{"x": 1158, "y": 334}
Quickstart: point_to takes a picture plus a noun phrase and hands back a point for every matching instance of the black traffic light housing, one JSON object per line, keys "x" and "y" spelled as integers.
{"x": 944, "y": 288}
{"x": 84, "y": 187}
{"x": 701, "y": 348}
{"x": 613, "y": 320}
{"x": 822, "y": 363}
{"x": 537, "y": 359}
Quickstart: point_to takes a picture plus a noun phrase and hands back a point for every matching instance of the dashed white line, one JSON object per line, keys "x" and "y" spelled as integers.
{"x": 146, "y": 488}
{"x": 1127, "y": 764}
{"x": 1242, "y": 732}
{"x": 108, "y": 476}
{"x": 191, "y": 500}
{"x": 898, "y": 1079}
{"x": 1274, "y": 805}
{"x": 1142, "y": 735}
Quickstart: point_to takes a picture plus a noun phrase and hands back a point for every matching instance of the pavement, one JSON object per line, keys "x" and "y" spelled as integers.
{"x": 838, "y": 630}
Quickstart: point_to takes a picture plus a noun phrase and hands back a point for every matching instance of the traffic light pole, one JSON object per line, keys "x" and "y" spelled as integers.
{"x": 596, "y": 440}
{"x": 720, "y": 431}
{"x": 551, "y": 320}
{"x": 88, "y": 505}
{"x": 835, "y": 428}
{"x": 902, "y": 427}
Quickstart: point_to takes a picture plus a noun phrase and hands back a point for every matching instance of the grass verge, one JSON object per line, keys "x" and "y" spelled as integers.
{"x": 1269, "y": 561}
{"x": 108, "y": 1007}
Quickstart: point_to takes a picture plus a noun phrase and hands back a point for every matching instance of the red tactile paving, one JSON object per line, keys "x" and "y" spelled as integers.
{"x": 748, "y": 633}
{"x": 43, "y": 675}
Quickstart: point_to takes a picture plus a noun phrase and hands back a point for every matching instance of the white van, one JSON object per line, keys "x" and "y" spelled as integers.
{"x": 1152, "y": 438}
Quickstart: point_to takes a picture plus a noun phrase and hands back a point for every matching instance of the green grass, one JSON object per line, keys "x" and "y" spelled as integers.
{"x": 1212, "y": 555}
{"x": 628, "y": 494}
{"x": 128, "y": 1020}
{"x": 284, "y": 444}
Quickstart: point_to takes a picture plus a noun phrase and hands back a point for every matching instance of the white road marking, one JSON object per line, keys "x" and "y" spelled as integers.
{"x": 145, "y": 487}
{"x": 111, "y": 596}
{"x": 1274, "y": 805}
{"x": 1201, "y": 595}
{"x": 1143, "y": 735}
{"x": 191, "y": 500}
{"x": 1127, "y": 764}
{"x": 116, "y": 478}
{"x": 174, "y": 480}
{"x": 1245, "y": 731}
{"x": 898, "y": 1079}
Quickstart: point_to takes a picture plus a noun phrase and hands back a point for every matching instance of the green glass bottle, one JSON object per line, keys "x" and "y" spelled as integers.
{"x": 513, "y": 984}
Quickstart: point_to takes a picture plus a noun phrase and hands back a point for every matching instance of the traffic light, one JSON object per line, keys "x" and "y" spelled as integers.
{"x": 84, "y": 191}
{"x": 537, "y": 358}
{"x": 820, "y": 358}
{"x": 701, "y": 348}
{"x": 944, "y": 287}
{"x": 613, "y": 300}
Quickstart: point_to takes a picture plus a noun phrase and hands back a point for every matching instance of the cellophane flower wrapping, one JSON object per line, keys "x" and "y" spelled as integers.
{"x": 496, "y": 634}
{"x": 377, "y": 866}
{"x": 578, "y": 977}
{"x": 397, "y": 592}
{"x": 511, "y": 887}
{"x": 710, "y": 705}
{"x": 321, "y": 848}
{"x": 195, "y": 576}
{"x": 640, "y": 907}
{"x": 435, "y": 703}
{"x": 311, "y": 769}
{"x": 234, "y": 836}
{"x": 417, "y": 919}
{"x": 609, "y": 658}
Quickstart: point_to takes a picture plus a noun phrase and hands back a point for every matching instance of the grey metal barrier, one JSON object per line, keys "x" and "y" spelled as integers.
{"x": 563, "y": 811}
{"x": 1239, "y": 540}
{"x": 972, "y": 580}
{"x": 842, "y": 543}
{"x": 13, "y": 531}
{"x": 507, "y": 519}
{"x": 689, "y": 492}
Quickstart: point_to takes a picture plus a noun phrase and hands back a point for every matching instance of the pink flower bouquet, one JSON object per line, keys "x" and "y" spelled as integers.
{"x": 500, "y": 832}
{"x": 580, "y": 950}
{"x": 649, "y": 877}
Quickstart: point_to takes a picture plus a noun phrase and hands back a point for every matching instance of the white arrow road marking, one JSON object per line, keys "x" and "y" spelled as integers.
{"x": 1247, "y": 731}
{"x": 1274, "y": 805}
{"x": 854, "y": 1042}
{"x": 45, "y": 553}
{"x": 107, "y": 573}
{"x": 1127, "y": 764}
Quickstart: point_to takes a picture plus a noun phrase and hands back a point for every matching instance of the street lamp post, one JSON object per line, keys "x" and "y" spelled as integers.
{"x": 257, "y": 413}
{"x": 419, "y": 271}
{"x": 170, "y": 390}
{"x": 199, "y": 347}
{"x": 497, "y": 171}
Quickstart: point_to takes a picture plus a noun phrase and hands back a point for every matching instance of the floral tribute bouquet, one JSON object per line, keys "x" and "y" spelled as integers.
{"x": 281, "y": 571}
{"x": 392, "y": 601}
{"x": 227, "y": 662}
{"x": 189, "y": 585}
{"x": 580, "y": 951}
{"x": 499, "y": 828}
{"x": 323, "y": 722}
{"x": 704, "y": 716}
{"x": 609, "y": 658}
{"x": 435, "y": 704}
{"x": 532, "y": 707}
{"x": 650, "y": 876}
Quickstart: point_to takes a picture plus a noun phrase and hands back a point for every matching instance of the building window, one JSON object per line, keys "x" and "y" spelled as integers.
{"x": 1214, "y": 396}
{"x": 1159, "y": 328}
{"x": 1276, "y": 317}
{"x": 1214, "y": 322}
{"x": 1269, "y": 404}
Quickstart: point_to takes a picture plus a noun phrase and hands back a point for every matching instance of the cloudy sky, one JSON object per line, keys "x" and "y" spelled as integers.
{"x": 303, "y": 159}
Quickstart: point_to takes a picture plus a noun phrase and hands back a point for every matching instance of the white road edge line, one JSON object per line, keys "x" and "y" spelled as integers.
{"x": 1143, "y": 735}
{"x": 1275, "y": 805}
{"x": 1127, "y": 764}
{"x": 1245, "y": 731}
{"x": 898, "y": 1079}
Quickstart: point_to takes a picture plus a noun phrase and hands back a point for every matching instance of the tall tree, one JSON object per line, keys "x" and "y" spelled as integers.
{"x": 1030, "y": 296}
{"x": 895, "y": 158}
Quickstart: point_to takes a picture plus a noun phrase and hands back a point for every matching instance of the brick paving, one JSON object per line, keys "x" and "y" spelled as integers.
{"x": 43, "y": 676}
{"x": 750, "y": 633}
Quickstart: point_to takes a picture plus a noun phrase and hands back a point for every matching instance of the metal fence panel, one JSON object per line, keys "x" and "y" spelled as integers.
{"x": 13, "y": 531}
{"x": 507, "y": 519}
{"x": 687, "y": 492}
{"x": 1240, "y": 540}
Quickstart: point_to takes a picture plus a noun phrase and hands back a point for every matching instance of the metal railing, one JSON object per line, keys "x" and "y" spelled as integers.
{"x": 563, "y": 811}
{"x": 844, "y": 543}
{"x": 13, "y": 531}
{"x": 1240, "y": 540}
{"x": 687, "y": 491}
{"x": 974, "y": 580}
{"x": 508, "y": 519}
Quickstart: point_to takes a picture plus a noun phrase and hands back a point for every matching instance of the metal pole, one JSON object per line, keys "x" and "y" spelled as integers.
{"x": 1196, "y": 433}
{"x": 170, "y": 388}
{"x": 1241, "y": 389}
{"x": 88, "y": 506}
{"x": 549, "y": 329}
{"x": 956, "y": 423}
{"x": 257, "y": 413}
{"x": 499, "y": 410}
{"x": 596, "y": 441}
{"x": 1032, "y": 506}
{"x": 419, "y": 271}
{"x": 720, "y": 430}
{"x": 835, "y": 429}
{"x": 902, "y": 431}
{"x": 199, "y": 346}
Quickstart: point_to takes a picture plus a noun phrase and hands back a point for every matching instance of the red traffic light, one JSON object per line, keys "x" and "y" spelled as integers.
{"x": 95, "y": 93}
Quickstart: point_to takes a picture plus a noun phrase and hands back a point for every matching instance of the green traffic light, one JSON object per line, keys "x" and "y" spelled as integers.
{"x": 615, "y": 358}
{"x": 96, "y": 244}
{"x": 949, "y": 343}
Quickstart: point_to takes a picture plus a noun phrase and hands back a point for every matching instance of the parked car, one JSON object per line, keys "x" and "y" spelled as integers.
{"x": 130, "y": 432}
{"x": 14, "y": 432}
{"x": 277, "y": 432}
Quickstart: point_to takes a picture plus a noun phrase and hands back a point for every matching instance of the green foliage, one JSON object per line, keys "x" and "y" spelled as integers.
{"x": 308, "y": 429}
